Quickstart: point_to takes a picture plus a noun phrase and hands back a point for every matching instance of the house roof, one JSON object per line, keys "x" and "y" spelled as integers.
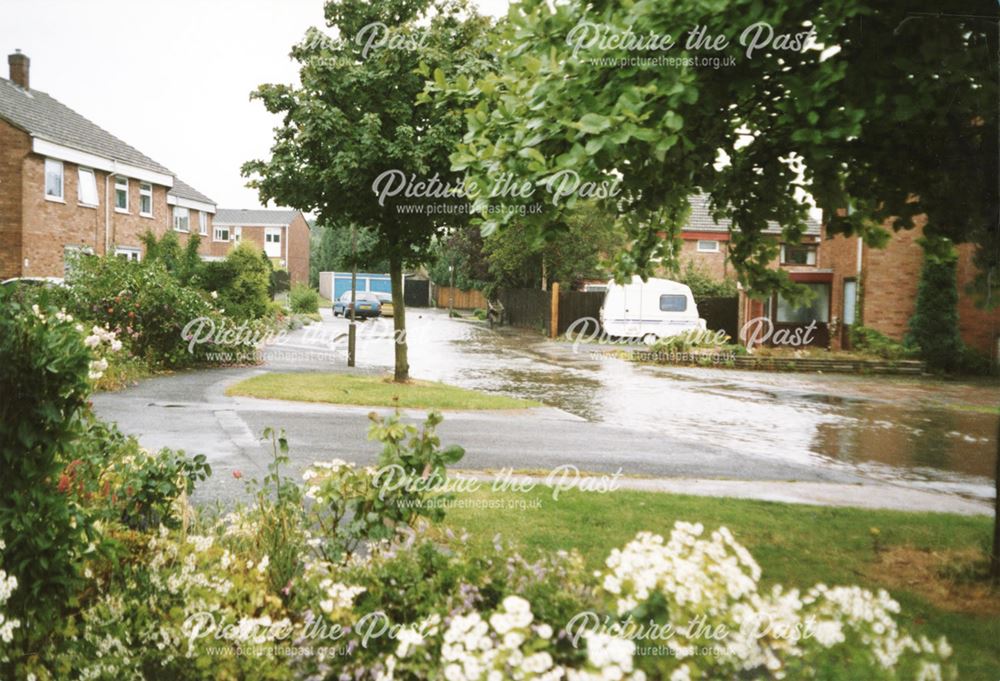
{"x": 183, "y": 190}
{"x": 255, "y": 216}
{"x": 701, "y": 220}
{"x": 41, "y": 116}
{"x": 46, "y": 118}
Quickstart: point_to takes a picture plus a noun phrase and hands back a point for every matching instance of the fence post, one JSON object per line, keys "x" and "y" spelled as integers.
{"x": 554, "y": 311}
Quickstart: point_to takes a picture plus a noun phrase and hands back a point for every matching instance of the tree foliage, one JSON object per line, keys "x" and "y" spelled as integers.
{"x": 356, "y": 118}
{"x": 891, "y": 109}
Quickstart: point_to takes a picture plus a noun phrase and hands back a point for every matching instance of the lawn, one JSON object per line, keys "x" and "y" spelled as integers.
{"x": 795, "y": 545}
{"x": 371, "y": 391}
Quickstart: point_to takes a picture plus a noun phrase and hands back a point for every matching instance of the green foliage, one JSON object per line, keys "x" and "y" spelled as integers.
{"x": 874, "y": 127}
{"x": 303, "y": 299}
{"x": 281, "y": 281}
{"x": 702, "y": 284}
{"x": 333, "y": 248}
{"x": 357, "y": 506}
{"x": 865, "y": 339}
{"x": 934, "y": 324}
{"x": 143, "y": 303}
{"x": 44, "y": 367}
{"x": 181, "y": 261}
{"x": 242, "y": 281}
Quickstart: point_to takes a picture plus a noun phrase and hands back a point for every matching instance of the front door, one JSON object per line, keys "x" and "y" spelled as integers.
{"x": 272, "y": 242}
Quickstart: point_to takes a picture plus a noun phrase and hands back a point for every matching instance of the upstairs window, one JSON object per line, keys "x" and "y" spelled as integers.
{"x": 86, "y": 187}
{"x": 708, "y": 246}
{"x": 53, "y": 179}
{"x": 146, "y": 199}
{"x": 121, "y": 194}
{"x": 221, "y": 234}
{"x": 203, "y": 223}
{"x": 182, "y": 219}
{"x": 798, "y": 254}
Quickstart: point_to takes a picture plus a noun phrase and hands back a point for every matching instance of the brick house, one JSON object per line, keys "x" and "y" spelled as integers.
{"x": 67, "y": 185}
{"x": 706, "y": 245}
{"x": 877, "y": 287}
{"x": 282, "y": 234}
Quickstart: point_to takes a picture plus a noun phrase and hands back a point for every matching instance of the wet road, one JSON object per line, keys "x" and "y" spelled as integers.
{"x": 608, "y": 413}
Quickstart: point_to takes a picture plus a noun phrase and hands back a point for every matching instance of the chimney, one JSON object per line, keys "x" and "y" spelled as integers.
{"x": 19, "y": 66}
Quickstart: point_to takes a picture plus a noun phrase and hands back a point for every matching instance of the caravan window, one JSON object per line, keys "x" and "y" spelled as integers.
{"x": 673, "y": 303}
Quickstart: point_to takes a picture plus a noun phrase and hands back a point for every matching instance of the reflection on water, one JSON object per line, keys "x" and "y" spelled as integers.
{"x": 889, "y": 425}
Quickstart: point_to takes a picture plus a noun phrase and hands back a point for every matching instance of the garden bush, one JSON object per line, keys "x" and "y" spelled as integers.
{"x": 144, "y": 304}
{"x": 934, "y": 324}
{"x": 241, "y": 281}
{"x": 866, "y": 339}
{"x": 303, "y": 299}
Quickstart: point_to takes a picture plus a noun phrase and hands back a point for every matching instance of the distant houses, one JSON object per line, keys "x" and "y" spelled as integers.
{"x": 67, "y": 186}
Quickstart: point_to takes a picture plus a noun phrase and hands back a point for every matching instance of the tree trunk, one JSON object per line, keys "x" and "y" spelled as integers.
{"x": 995, "y": 558}
{"x": 402, "y": 373}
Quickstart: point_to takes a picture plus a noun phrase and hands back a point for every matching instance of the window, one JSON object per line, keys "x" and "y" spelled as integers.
{"x": 203, "y": 223}
{"x": 673, "y": 303}
{"x": 71, "y": 256}
{"x": 130, "y": 254}
{"x": 237, "y": 234}
{"x": 221, "y": 234}
{"x": 182, "y": 219}
{"x": 850, "y": 300}
{"x": 86, "y": 187}
{"x": 708, "y": 246}
{"x": 145, "y": 199}
{"x": 817, "y": 308}
{"x": 121, "y": 194}
{"x": 53, "y": 179}
{"x": 798, "y": 254}
{"x": 272, "y": 242}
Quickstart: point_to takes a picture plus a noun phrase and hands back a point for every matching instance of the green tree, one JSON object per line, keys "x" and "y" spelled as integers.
{"x": 934, "y": 324}
{"x": 890, "y": 109}
{"x": 355, "y": 120}
{"x": 332, "y": 249}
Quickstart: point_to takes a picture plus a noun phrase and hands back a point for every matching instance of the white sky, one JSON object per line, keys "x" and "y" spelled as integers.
{"x": 171, "y": 78}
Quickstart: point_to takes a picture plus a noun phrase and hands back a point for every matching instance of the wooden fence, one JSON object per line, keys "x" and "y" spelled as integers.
{"x": 527, "y": 308}
{"x": 446, "y": 296}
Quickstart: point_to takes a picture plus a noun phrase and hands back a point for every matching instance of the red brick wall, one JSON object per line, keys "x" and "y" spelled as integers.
{"x": 715, "y": 265}
{"x": 297, "y": 241}
{"x": 14, "y": 147}
{"x": 840, "y": 254}
{"x": 980, "y": 328}
{"x": 890, "y": 277}
{"x": 127, "y": 228}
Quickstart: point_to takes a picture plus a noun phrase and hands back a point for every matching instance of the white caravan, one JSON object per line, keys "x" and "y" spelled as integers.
{"x": 649, "y": 310}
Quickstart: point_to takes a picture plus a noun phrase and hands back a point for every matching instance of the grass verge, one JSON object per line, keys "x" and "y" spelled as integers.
{"x": 371, "y": 391}
{"x": 914, "y": 556}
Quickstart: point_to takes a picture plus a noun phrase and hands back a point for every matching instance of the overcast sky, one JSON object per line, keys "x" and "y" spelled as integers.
{"x": 170, "y": 78}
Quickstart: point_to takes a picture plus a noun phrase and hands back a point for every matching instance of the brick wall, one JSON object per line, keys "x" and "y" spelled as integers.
{"x": 980, "y": 328}
{"x": 14, "y": 147}
{"x": 889, "y": 279}
{"x": 128, "y": 228}
{"x": 715, "y": 265}
{"x": 297, "y": 240}
{"x": 840, "y": 254}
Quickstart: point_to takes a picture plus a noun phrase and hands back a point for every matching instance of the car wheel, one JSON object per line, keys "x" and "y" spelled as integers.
{"x": 650, "y": 339}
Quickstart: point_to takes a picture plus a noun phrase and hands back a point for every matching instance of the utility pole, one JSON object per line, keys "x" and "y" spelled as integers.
{"x": 351, "y": 329}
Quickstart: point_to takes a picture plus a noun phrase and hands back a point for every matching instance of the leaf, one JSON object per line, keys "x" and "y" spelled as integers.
{"x": 593, "y": 124}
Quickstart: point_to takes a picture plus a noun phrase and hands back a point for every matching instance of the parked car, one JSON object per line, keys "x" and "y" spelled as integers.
{"x": 386, "y": 300}
{"x": 367, "y": 305}
{"x": 33, "y": 281}
{"x": 656, "y": 308}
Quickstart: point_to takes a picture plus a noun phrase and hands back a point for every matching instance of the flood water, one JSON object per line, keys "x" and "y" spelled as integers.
{"x": 941, "y": 434}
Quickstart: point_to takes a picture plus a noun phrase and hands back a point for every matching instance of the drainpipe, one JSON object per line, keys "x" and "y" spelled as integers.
{"x": 859, "y": 316}
{"x": 107, "y": 213}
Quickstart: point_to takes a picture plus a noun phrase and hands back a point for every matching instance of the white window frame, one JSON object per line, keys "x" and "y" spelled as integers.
{"x": 203, "y": 223}
{"x": 182, "y": 216}
{"x": 714, "y": 248}
{"x": 146, "y": 190}
{"x": 52, "y": 164}
{"x": 121, "y": 183}
{"x": 80, "y": 184}
{"x": 218, "y": 230}
{"x": 272, "y": 232}
{"x": 131, "y": 254}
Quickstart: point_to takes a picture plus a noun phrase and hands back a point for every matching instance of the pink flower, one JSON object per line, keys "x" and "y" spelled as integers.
{"x": 237, "y": 475}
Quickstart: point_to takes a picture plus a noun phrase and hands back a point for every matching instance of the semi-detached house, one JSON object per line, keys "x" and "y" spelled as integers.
{"x": 67, "y": 186}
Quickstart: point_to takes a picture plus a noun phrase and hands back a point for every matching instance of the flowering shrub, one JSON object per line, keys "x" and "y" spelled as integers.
{"x": 144, "y": 305}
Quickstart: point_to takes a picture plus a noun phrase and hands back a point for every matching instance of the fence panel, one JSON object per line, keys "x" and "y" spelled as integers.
{"x": 463, "y": 300}
{"x": 527, "y": 308}
{"x": 574, "y": 305}
{"x": 720, "y": 314}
